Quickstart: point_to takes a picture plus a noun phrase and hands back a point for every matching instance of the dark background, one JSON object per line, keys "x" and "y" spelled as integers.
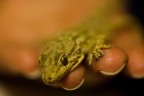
{"x": 136, "y": 8}
{"x": 118, "y": 86}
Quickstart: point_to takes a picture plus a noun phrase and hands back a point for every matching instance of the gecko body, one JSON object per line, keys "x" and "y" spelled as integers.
{"x": 85, "y": 42}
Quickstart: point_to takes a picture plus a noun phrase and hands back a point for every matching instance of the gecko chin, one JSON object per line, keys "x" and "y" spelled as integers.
{"x": 49, "y": 80}
{"x": 52, "y": 77}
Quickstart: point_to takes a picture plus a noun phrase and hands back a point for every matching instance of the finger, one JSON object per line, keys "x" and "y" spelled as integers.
{"x": 111, "y": 63}
{"x": 21, "y": 61}
{"x": 135, "y": 67}
{"x": 29, "y": 64}
{"x": 131, "y": 41}
{"x": 73, "y": 80}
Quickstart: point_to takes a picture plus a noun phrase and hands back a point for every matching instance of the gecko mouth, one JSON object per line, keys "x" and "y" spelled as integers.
{"x": 55, "y": 78}
{"x": 49, "y": 80}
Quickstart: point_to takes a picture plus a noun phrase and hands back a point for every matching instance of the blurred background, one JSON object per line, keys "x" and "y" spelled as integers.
{"x": 118, "y": 86}
{"x": 136, "y": 9}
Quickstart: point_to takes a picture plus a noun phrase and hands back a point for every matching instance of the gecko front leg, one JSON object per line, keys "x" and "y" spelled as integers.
{"x": 96, "y": 52}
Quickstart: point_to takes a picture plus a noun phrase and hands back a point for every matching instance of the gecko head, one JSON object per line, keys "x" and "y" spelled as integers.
{"x": 58, "y": 59}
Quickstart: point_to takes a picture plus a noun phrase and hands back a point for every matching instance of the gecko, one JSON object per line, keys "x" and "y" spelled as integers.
{"x": 64, "y": 53}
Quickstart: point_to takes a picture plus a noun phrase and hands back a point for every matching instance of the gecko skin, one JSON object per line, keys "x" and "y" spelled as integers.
{"x": 64, "y": 53}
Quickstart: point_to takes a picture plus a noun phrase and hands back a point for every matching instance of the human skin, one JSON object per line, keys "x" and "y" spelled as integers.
{"x": 24, "y": 23}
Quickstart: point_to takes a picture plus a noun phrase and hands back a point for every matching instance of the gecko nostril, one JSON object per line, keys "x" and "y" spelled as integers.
{"x": 50, "y": 78}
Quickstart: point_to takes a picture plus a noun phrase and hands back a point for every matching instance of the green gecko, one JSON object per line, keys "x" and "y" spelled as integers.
{"x": 63, "y": 55}
{"x": 85, "y": 42}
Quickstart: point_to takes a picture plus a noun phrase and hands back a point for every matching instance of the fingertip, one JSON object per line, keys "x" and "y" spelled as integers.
{"x": 112, "y": 62}
{"x": 74, "y": 80}
{"x": 33, "y": 74}
{"x": 113, "y": 73}
{"x": 74, "y": 88}
{"x": 29, "y": 66}
{"x": 135, "y": 66}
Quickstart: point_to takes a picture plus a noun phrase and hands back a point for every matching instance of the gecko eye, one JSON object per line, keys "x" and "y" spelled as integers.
{"x": 64, "y": 60}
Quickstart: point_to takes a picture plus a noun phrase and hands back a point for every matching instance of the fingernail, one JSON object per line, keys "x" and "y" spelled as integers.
{"x": 34, "y": 74}
{"x": 138, "y": 76}
{"x": 74, "y": 87}
{"x": 29, "y": 66}
{"x": 112, "y": 73}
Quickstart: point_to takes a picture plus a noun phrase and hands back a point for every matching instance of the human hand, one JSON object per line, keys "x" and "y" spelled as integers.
{"x": 24, "y": 23}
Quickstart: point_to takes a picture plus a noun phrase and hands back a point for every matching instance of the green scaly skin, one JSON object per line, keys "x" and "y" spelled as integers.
{"x": 64, "y": 53}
